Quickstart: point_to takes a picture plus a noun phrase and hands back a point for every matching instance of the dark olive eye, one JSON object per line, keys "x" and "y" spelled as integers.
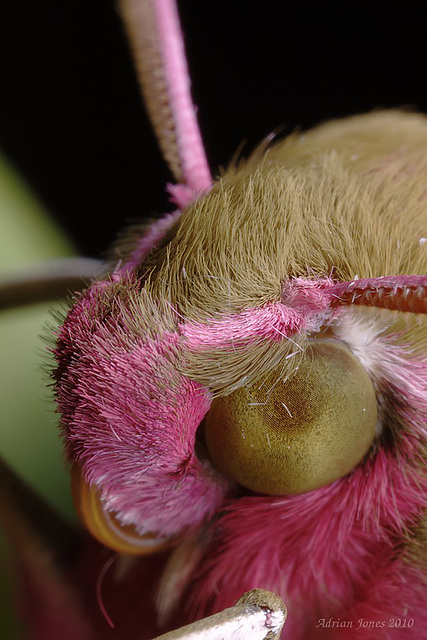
{"x": 289, "y": 436}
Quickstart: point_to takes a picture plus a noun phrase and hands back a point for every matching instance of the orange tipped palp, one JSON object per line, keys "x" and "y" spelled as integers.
{"x": 105, "y": 526}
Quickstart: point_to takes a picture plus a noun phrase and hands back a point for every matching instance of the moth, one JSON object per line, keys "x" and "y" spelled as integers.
{"x": 245, "y": 392}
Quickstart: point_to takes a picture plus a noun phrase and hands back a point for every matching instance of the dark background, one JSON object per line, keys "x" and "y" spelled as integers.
{"x": 72, "y": 121}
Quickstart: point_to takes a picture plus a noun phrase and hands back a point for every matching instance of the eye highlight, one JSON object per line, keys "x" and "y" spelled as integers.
{"x": 105, "y": 526}
{"x": 286, "y": 436}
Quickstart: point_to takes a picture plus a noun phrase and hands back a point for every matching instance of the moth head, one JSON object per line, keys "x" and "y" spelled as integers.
{"x": 207, "y": 366}
{"x": 156, "y": 448}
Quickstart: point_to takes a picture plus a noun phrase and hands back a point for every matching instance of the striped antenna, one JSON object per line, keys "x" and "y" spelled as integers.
{"x": 396, "y": 293}
{"x": 156, "y": 41}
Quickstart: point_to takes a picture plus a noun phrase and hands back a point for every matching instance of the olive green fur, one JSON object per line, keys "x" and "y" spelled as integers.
{"x": 347, "y": 199}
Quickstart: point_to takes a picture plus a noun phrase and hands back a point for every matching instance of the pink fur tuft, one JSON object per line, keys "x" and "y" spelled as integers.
{"x": 323, "y": 551}
{"x": 130, "y": 418}
{"x": 339, "y": 551}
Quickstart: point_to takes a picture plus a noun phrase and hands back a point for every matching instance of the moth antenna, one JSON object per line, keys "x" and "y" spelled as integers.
{"x": 156, "y": 40}
{"x": 396, "y": 293}
{"x": 48, "y": 280}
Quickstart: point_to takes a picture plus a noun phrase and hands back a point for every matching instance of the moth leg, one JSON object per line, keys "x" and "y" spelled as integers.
{"x": 48, "y": 280}
{"x": 257, "y": 615}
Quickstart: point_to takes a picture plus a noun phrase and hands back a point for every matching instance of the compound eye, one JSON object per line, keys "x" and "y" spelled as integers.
{"x": 287, "y": 436}
{"x": 105, "y": 526}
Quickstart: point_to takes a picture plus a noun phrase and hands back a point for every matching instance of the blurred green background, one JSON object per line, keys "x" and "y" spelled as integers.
{"x": 29, "y": 439}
